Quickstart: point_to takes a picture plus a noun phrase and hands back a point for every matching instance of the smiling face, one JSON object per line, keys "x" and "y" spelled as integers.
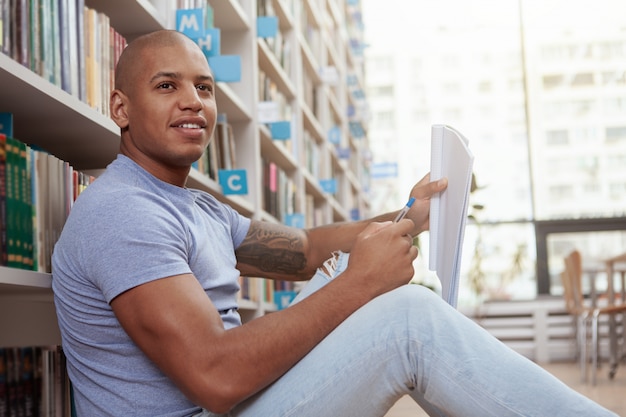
{"x": 164, "y": 103}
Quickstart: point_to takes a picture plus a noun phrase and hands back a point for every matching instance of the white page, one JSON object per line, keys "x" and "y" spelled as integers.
{"x": 450, "y": 158}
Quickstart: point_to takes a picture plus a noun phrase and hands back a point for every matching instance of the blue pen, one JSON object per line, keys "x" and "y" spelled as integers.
{"x": 404, "y": 210}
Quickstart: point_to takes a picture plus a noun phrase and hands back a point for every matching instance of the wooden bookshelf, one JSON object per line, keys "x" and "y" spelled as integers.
{"x": 47, "y": 116}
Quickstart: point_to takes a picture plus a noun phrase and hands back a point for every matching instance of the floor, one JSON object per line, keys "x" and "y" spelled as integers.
{"x": 609, "y": 393}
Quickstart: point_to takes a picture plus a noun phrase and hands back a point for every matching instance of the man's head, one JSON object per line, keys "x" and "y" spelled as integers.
{"x": 164, "y": 101}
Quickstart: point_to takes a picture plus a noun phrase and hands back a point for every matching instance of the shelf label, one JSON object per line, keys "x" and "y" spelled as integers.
{"x": 266, "y": 26}
{"x": 190, "y": 22}
{"x": 280, "y": 130}
{"x": 355, "y": 214}
{"x": 268, "y": 111}
{"x": 233, "y": 181}
{"x": 343, "y": 153}
{"x": 209, "y": 42}
{"x": 282, "y": 298}
{"x": 226, "y": 68}
{"x": 334, "y": 135}
{"x": 329, "y": 75}
{"x": 329, "y": 185}
{"x": 295, "y": 220}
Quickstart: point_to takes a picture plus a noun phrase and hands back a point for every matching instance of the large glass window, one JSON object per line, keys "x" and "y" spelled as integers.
{"x": 542, "y": 102}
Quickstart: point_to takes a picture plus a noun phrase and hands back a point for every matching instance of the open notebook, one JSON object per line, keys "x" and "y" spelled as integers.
{"x": 450, "y": 158}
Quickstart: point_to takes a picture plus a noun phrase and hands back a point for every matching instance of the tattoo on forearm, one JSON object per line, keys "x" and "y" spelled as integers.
{"x": 276, "y": 251}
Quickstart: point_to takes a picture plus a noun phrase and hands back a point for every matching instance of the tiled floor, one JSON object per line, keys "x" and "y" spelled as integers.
{"x": 610, "y": 393}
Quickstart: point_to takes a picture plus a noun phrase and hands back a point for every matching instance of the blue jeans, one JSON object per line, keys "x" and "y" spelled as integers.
{"x": 409, "y": 341}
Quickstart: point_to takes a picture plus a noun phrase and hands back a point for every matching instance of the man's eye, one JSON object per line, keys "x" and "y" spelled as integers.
{"x": 205, "y": 87}
{"x": 165, "y": 86}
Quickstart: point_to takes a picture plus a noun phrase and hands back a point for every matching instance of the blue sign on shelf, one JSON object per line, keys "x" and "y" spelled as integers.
{"x": 233, "y": 181}
{"x": 295, "y": 220}
{"x": 190, "y": 22}
{"x": 266, "y": 26}
{"x": 226, "y": 68}
{"x": 280, "y": 130}
{"x": 282, "y": 298}
{"x": 334, "y": 135}
{"x": 329, "y": 185}
{"x": 209, "y": 42}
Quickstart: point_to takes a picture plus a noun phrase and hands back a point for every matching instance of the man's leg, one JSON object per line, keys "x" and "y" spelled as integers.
{"x": 409, "y": 341}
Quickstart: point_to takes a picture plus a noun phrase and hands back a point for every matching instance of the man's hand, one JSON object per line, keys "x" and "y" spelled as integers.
{"x": 382, "y": 257}
{"x": 420, "y": 211}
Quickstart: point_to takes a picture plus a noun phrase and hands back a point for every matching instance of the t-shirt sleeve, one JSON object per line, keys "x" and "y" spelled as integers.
{"x": 135, "y": 244}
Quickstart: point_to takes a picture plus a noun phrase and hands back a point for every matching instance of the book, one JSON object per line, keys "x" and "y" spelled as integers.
{"x": 450, "y": 158}
{"x": 3, "y": 204}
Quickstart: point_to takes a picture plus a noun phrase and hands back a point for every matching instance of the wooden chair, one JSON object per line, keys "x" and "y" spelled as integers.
{"x": 584, "y": 313}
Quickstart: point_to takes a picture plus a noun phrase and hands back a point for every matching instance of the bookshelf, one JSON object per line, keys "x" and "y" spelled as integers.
{"x": 313, "y": 38}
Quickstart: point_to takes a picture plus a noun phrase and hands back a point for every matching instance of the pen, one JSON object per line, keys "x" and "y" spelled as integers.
{"x": 404, "y": 210}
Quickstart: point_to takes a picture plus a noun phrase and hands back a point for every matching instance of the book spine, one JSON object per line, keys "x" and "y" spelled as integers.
{"x": 35, "y": 47}
{"x": 80, "y": 49}
{"x": 3, "y": 201}
{"x": 11, "y": 212}
{"x": 64, "y": 44}
{"x": 4, "y": 401}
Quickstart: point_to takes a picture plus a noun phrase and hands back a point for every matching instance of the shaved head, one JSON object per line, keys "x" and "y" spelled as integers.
{"x": 132, "y": 56}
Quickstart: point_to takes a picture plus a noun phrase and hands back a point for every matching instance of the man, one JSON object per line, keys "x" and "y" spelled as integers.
{"x": 145, "y": 283}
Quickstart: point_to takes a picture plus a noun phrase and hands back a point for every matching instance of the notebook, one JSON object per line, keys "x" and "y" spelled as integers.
{"x": 450, "y": 158}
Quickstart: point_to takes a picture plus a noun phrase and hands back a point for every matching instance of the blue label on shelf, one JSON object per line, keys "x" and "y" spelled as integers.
{"x": 282, "y": 298}
{"x": 355, "y": 214}
{"x": 343, "y": 153}
{"x": 209, "y": 42}
{"x": 190, "y": 22}
{"x": 233, "y": 181}
{"x": 226, "y": 68}
{"x": 266, "y": 26}
{"x": 295, "y": 220}
{"x": 334, "y": 135}
{"x": 329, "y": 185}
{"x": 280, "y": 130}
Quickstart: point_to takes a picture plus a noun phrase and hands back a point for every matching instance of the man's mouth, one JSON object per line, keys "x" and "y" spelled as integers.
{"x": 190, "y": 126}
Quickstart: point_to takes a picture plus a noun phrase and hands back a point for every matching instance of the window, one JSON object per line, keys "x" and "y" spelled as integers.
{"x": 615, "y": 134}
{"x": 552, "y": 81}
{"x": 557, "y": 137}
{"x": 582, "y": 79}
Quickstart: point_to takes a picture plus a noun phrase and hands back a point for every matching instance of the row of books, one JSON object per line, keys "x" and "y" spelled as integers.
{"x": 309, "y": 93}
{"x": 34, "y": 382}
{"x": 268, "y": 91}
{"x": 310, "y": 32}
{"x": 279, "y": 191}
{"x": 37, "y": 191}
{"x": 312, "y": 154}
{"x": 65, "y": 42}
{"x": 278, "y": 44}
{"x": 266, "y": 290}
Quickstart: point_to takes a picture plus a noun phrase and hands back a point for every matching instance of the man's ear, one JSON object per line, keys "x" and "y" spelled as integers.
{"x": 118, "y": 109}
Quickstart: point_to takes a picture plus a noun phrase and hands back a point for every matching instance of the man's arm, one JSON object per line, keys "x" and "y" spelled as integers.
{"x": 281, "y": 252}
{"x": 174, "y": 322}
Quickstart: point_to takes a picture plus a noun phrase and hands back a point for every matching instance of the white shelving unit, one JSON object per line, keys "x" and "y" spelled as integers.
{"x": 47, "y": 116}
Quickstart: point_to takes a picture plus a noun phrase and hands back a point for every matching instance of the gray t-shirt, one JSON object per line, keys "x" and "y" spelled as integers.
{"x": 126, "y": 229}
